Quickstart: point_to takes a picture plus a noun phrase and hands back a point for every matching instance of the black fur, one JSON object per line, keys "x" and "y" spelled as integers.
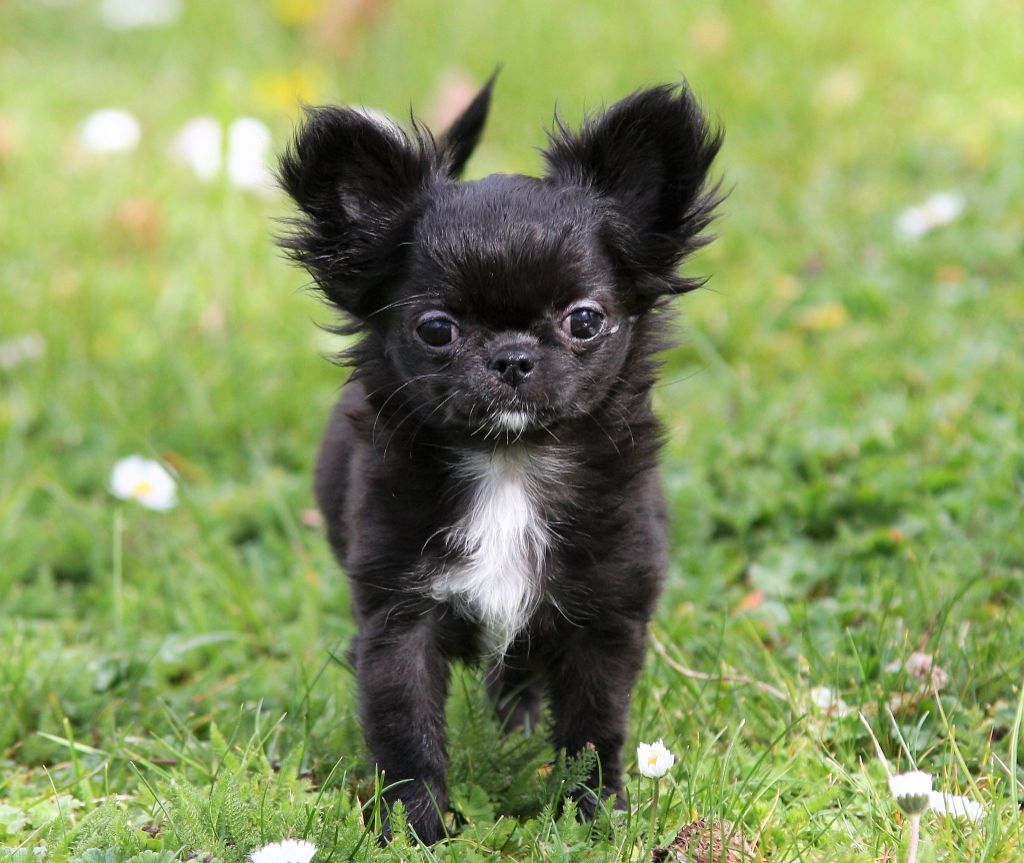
{"x": 389, "y": 235}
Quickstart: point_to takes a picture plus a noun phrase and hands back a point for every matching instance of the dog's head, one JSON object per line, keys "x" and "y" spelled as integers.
{"x": 511, "y": 303}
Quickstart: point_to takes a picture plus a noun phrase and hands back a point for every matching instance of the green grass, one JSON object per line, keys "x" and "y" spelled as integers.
{"x": 846, "y": 480}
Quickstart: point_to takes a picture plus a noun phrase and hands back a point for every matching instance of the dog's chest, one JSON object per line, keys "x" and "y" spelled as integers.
{"x": 499, "y": 542}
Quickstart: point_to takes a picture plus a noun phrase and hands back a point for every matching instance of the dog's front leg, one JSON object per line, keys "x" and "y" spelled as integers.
{"x": 590, "y": 683}
{"x": 403, "y": 682}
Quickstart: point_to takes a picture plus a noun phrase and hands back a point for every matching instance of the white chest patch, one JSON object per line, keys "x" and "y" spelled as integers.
{"x": 502, "y": 539}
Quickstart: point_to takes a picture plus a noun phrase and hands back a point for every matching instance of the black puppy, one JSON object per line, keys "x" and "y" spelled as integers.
{"x": 489, "y": 475}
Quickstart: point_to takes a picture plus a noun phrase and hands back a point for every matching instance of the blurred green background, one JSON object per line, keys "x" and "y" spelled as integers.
{"x": 845, "y": 463}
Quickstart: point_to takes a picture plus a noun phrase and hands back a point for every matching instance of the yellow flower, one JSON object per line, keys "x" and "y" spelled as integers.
{"x": 284, "y": 91}
{"x": 829, "y": 316}
{"x": 295, "y": 12}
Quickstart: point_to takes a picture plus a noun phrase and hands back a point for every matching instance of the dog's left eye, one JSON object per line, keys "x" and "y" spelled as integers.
{"x": 583, "y": 323}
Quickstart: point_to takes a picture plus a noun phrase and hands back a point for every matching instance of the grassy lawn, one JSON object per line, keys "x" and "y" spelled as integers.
{"x": 845, "y": 468}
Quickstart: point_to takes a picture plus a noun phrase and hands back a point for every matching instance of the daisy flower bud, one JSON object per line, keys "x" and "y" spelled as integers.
{"x": 912, "y": 791}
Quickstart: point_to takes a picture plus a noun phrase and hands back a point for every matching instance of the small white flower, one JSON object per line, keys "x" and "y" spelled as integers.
{"x": 131, "y": 14}
{"x": 21, "y": 349}
{"x": 921, "y": 666}
{"x": 140, "y": 479}
{"x": 955, "y": 806}
{"x": 912, "y": 791}
{"x": 110, "y": 130}
{"x": 829, "y": 702}
{"x": 934, "y": 212}
{"x": 248, "y": 151}
{"x": 287, "y": 851}
{"x": 654, "y": 759}
{"x": 198, "y": 145}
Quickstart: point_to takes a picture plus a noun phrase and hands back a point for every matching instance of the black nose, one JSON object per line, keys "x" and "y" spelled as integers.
{"x": 513, "y": 365}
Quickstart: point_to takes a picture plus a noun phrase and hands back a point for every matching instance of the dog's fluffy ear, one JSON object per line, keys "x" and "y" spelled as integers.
{"x": 458, "y": 143}
{"x": 358, "y": 180}
{"x": 647, "y": 156}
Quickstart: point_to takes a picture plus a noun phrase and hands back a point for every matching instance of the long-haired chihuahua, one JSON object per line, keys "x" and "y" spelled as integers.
{"x": 489, "y": 476}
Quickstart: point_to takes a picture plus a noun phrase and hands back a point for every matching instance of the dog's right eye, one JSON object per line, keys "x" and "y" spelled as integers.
{"x": 437, "y": 332}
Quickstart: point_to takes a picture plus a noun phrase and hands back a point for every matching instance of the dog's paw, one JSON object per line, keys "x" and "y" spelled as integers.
{"x": 428, "y": 828}
{"x": 586, "y": 801}
{"x": 422, "y": 816}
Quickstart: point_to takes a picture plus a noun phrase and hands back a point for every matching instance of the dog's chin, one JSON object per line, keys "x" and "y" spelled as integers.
{"x": 508, "y": 422}
{"x": 512, "y": 421}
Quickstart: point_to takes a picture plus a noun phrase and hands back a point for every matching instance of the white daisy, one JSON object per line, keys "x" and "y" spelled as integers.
{"x": 110, "y": 130}
{"x": 145, "y": 481}
{"x": 921, "y": 666}
{"x": 654, "y": 759}
{"x": 21, "y": 349}
{"x": 934, "y": 212}
{"x": 828, "y": 702}
{"x": 248, "y": 153}
{"x": 912, "y": 791}
{"x": 955, "y": 806}
{"x": 132, "y": 14}
{"x": 198, "y": 145}
{"x": 286, "y": 851}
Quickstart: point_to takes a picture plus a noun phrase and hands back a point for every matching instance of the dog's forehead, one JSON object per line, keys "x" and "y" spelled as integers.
{"x": 510, "y": 244}
{"x": 501, "y": 216}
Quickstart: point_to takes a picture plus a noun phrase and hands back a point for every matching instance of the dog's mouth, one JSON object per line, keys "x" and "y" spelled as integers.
{"x": 497, "y": 418}
{"x": 509, "y": 422}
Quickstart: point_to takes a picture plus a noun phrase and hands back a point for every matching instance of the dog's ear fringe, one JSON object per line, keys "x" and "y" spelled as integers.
{"x": 357, "y": 179}
{"x": 336, "y": 143}
{"x": 648, "y": 157}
